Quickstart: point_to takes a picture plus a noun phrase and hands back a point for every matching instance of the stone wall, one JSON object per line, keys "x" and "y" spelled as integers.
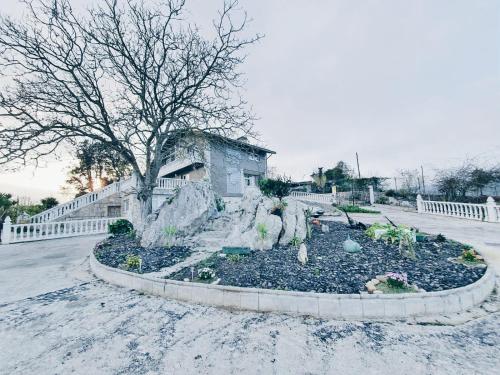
{"x": 109, "y": 205}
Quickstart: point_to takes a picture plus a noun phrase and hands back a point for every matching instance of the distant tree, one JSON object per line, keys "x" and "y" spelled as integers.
{"x": 48, "y": 203}
{"x": 480, "y": 178}
{"x": 6, "y": 204}
{"x": 340, "y": 176}
{"x": 96, "y": 165}
{"x": 319, "y": 179}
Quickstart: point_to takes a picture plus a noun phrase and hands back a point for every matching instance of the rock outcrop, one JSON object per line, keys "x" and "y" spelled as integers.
{"x": 294, "y": 221}
{"x": 188, "y": 212}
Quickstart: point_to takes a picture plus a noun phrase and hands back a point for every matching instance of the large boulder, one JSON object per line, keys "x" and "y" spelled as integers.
{"x": 255, "y": 211}
{"x": 294, "y": 221}
{"x": 188, "y": 212}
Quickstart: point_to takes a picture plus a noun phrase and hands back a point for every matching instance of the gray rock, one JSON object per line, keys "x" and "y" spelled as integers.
{"x": 302, "y": 254}
{"x": 294, "y": 221}
{"x": 188, "y": 212}
{"x": 325, "y": 228}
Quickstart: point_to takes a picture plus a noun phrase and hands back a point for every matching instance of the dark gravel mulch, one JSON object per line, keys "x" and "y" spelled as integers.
{"x": 332, "y": 270}
{"x": 114, "y": 250}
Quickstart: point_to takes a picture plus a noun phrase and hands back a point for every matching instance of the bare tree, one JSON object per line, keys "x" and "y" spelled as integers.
{"x": 124, "y": 74}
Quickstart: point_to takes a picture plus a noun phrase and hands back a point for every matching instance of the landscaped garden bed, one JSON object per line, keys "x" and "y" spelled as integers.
{"x": 125, "y": 252}
{"x": 331, "y": 269}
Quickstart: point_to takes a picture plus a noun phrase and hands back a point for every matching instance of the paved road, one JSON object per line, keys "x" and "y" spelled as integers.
{"x": 56, "y": 318}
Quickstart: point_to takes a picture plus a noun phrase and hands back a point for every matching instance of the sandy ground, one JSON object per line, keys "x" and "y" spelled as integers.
{"x": 56, "y": 318}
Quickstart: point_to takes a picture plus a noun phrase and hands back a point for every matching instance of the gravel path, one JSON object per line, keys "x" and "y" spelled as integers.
{"x": 332, "y": 270}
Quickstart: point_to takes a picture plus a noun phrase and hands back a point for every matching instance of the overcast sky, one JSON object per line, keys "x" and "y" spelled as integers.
{"x": 403, "y": 83}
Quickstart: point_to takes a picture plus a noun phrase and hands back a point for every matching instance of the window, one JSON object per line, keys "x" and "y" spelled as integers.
{"x": 254, "y": 157}
{"x": 250, "y": 180}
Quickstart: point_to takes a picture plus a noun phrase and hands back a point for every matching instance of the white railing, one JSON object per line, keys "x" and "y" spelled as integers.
{"x": 61, "y": 210}
{"x": 313, "y": 197}
{"x": 77, "y": 203}
{"x": 170, "y": 183}
{"x": 483, "y": 212}
{"x": 13, "y": 233}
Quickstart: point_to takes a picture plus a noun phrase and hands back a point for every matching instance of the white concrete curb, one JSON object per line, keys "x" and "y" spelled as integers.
{"x": 320, "y": 305}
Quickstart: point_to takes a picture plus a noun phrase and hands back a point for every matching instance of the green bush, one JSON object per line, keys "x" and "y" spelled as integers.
{"x": 120, "y": 226}
{"x": 133, "y": 262}
{"x": 279, "y": 187}
{"x": 357, "y": 210}
{"x": 382, "y": 200}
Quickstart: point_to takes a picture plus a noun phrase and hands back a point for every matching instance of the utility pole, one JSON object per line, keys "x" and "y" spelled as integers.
{"x": 357, "y": 161}
{"x": 423, "y": 181}
{"x": 395, "y": 184}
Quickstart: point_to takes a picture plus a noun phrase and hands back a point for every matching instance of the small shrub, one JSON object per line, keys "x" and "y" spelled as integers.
{"x": 170, "y": 232}
{"x": 371, "y": 231}
{"x": 356, "y": 209}
{"x": 279, "y": 208}
{"x": 220, "y": 204}
{"x": 234, "y": 257}
{"x": 397, "y": 280}
{"x": 469, "y": 255}
{"x": 295, "y": 241}
{"x": 133, "y": 262}
{"x": 206, "y": 273}
{"x": 440, "y": 238}
{"x": 279, "y": 187}
{"x": 382, "y": 200}
{"x": 120, "y": 226}
{"x": 262, "y": 231}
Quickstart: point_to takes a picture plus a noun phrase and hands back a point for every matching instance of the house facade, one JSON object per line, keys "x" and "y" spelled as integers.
{"x": 229, "y": 165}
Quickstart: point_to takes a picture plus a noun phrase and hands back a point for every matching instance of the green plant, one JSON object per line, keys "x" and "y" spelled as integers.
{"x": 220, "y": 204}
{"x": 234, "y": 257}
{"x": 206, "y": 273}
{"x": 440, "y": 238}
{"x": 133, "y": 262}
{"x": 407, "y": 243}
{"x": 170, "y": 232}
{"x": 132, "y": 234}
{"x": 356, "y": 209}
{"x": 308, "y": 215}
{"x": 295, "y": 241}
{"x": 397, "y": 280}
{"x": 317, "y": 272}
{"x": 279, "y": 208}
{"x": 120, "y": 226}
{"x": 373, "y": 229}
{"x": 279, "y": 187}
{"x": 262, "y": 230}
{"x": 470, "y": 255}
{"x": 382, "y": 200}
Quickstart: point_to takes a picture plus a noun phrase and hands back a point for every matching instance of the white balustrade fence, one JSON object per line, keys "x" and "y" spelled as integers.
{"x": 483, "y": 212}
{"x": 13, "y": 233}
{"x": 313, "y": 197}
{"x": 87, "y": 199}
{"x": 171, "y": 183}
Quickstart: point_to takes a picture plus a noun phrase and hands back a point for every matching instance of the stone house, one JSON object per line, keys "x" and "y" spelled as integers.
{"x": 229, "y": 165}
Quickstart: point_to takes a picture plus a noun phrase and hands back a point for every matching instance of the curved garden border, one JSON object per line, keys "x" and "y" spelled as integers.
{"x": 320, "y": 305}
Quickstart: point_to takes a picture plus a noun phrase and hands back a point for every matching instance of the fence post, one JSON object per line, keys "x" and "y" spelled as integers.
{"x": 419, "y": 204}
{"x": 6, "y": 231}
{"x": 372, "y": 197}
{"x": 490, "y": 208}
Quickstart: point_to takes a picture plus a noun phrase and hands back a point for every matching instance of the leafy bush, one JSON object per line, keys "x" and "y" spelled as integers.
{"x": 121, "y": 226}
{"x": 440, "y": 238}
{"x": 279, "y": 208}
{"x": 374, "y": 228}
{"x": 279, "y": 187}
{"x": 133, "y": 262}
{"x": 469, "y": 255}
{"x": 357, "y": 210}
{"x": 206, "y": 273}
{"x": 220, "y": 204}
{"x": 235, "y": 257}
{"x": 397, "y": 280}
{"x": 382, "y": 200}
